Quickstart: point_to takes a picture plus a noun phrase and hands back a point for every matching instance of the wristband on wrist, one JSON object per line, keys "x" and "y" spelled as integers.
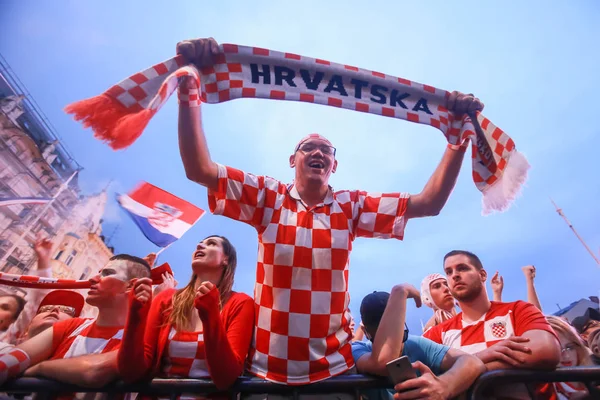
{"x": 458, "y": 147}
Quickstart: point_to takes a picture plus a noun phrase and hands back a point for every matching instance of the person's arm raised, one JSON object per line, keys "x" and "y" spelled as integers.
{"x": 388, "y": 343}
{"x": 497, "y": 283}
{"x": 532, "y": 297}
{"x": 192, "y": 142}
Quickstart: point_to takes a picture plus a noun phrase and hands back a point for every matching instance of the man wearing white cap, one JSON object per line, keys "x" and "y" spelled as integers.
{"x": 436, "y": 295}
{"x": 305, "y": 231}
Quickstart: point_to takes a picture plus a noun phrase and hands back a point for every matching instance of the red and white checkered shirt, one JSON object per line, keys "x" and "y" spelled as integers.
{"x": 80, "y": 336}
{"x": 185, "y": 355}
{"x": 500, "y": 322}
{"x": 301, "y": 294}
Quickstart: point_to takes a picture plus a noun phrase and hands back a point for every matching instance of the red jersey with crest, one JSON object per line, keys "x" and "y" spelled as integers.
{"x": 500, "y": 322}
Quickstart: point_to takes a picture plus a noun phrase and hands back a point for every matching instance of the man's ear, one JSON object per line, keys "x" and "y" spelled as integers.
{"x": 292, "y": 161}
{"x": 334, "y": 167}
{"x": 483, "y": 275}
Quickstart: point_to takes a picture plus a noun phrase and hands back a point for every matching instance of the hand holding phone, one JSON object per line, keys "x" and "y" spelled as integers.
{"x": 400, "y": 370}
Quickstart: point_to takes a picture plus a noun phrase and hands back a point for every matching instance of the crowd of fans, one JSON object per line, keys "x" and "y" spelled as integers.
{"x": 297, "y": 328}
{"x": 205, "y": 329}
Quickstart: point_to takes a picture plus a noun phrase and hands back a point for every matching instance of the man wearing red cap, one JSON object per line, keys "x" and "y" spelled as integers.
{"x": 305, "y": 231}
{"x": 67, "y": 342}
{"x": 58, "y": 305}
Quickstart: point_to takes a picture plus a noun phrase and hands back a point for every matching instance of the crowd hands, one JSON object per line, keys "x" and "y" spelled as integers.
{"x": 298, "y": 328}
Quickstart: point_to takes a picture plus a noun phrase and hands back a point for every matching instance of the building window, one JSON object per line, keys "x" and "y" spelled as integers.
{"x": 24, "y": 212}
{"x": 71, "y": 257}
{"x": 38, "y": 227}
{"x": 13, "y": 266}
{"x": 85, "y": 274}
{"x": 59, "y": 254}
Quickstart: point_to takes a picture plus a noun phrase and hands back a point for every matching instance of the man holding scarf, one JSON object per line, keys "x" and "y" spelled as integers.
{"x": 305, "y": 230}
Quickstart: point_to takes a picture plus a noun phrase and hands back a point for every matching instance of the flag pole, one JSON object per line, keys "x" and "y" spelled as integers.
{"x": 559, "y": 211}
{"x": 36, "y": 219}
{"x": 162, "y": 249}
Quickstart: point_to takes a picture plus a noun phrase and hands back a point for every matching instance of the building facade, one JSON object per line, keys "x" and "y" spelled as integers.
{"x": 34, "y": 164}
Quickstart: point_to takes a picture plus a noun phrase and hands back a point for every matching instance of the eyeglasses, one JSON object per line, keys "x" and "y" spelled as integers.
{"x": 63, "y": 309}
{"x": 310, "y": 147}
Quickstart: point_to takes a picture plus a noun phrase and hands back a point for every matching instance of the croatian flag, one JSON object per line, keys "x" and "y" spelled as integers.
{"x": 162, "y": 217}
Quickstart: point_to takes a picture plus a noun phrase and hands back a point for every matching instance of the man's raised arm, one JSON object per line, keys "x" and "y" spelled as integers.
{"x": 434, "y": 195}
{"x": 192, "y": 143}
{"x": 388, "y": 342}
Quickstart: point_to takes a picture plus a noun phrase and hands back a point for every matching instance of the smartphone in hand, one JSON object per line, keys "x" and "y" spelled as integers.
{"x": 400, "y": 370}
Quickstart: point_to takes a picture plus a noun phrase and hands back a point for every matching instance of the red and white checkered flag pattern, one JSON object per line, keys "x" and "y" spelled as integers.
{"x": 119, "y": 115}
{"x": 12, "y": 364}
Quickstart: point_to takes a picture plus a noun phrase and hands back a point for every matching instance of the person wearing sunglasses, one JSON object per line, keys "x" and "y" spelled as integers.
{"x": 442, "y": 372}
{"x": 58, "y": 305}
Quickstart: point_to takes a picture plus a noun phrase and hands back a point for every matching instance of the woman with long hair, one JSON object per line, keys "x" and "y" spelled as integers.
{"x": 574, "y": 353}
{"x": 201, "y": 331}
{"x": 435, "y": 294}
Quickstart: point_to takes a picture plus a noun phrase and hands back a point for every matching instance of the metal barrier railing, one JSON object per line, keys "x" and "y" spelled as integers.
{"x": 586, "y": 375}
{"x": 352, "y": 384}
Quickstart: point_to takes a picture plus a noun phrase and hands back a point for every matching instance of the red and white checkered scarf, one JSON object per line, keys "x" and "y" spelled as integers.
{"x": 119, "y": 115}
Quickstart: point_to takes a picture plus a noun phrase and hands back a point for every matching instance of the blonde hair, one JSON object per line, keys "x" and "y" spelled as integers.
{"x": 183, "y": 299}
{"x": 563, "y": 327}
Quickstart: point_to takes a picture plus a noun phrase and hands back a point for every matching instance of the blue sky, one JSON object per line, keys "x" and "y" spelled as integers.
{"x": 534, "y": 65}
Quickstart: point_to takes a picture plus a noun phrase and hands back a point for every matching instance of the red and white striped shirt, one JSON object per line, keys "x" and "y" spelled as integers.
{"x": 185, "y": 355}
{"x": 302, "y": 332}
{"x": 80, "y": 336}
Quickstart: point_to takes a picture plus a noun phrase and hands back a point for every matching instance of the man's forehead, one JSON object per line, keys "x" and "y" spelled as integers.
{"x": 455, "y": 260}
{"x": 317, "y": 141}
{"x": 116, "y": 265}
{"x": 315, "y": 138}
